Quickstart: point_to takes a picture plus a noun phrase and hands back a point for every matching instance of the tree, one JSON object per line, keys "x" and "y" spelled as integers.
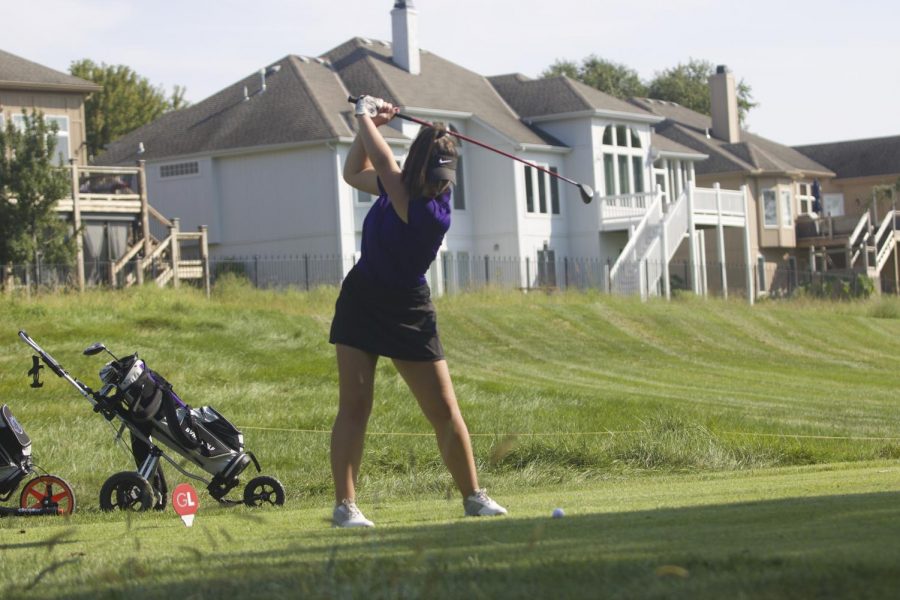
{"x": 126, "y": 102}
{"x": 688, "y": 85}
{"x": 609, "y": 77}
{"x": 30, "y": 186}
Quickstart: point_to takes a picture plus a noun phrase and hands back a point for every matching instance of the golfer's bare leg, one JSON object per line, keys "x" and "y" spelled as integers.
{"x": 356, "y": 377}
{"x": 431, "y": 385}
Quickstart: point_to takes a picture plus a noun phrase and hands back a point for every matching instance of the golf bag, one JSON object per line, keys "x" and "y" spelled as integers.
{"x": 146, "y": 404}
{"x": 156, "y": 411}
{"x": 43, "y": 495}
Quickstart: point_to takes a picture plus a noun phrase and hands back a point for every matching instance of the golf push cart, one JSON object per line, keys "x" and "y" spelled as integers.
{"x": 43, "y": 495}
{"x": 145, "y": 404}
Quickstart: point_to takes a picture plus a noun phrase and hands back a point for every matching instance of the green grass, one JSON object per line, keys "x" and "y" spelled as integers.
{"x": 751, "y": 447}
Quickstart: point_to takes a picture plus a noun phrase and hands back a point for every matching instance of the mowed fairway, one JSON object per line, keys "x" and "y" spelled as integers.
{"x": 698, "y": 448}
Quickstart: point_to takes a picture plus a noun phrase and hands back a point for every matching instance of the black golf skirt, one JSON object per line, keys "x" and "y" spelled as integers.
{"x": 394, "y": 323}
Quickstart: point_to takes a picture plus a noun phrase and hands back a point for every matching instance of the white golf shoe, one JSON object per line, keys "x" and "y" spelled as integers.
{"x": 347, "y": 514}
{"x": 480, "y": 505}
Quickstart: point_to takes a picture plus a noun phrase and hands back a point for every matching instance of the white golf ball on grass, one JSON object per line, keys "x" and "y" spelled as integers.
{"x": 558, "y": 513}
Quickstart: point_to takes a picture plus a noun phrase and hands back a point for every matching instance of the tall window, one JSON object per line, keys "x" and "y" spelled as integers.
{"x": 623, "y": 161}
{"x": 637, "y": 166}
{"x": 541, "y": 191}
{"x": 554, "y": 192}
{"x": 529, "y": 190}
{"x": 770, "y": 208}
{"x": 624, "y": 179}
{"x": 609, "y": 173}
{"x": 805, "y": 198}
{"x": 787, "y": 210}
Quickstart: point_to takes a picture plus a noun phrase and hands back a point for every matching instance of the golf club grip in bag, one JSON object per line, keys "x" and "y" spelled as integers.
{"x": 151, "y": 398}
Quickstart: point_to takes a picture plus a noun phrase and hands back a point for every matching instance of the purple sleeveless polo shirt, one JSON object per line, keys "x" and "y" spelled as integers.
{"x": 396, "y": 254}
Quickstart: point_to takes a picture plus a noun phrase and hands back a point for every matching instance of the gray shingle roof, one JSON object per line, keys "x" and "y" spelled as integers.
{"x": 556, "y": 95}
{"x": 857, "y": 158}
{"x": 303, "y": 101}
{"x": 306, "y": 101}
{"x": 753, "y": 154}
{"x": 19, "y": 73}
{"x": 366, "y": 67}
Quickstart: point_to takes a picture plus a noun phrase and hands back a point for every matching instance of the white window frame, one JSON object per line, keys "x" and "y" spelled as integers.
{"x": 62, "y": 135}
{"x": 548, "y": 189}
{"x": 805, "y": 199}
{"x": 786, "y": 201}
{"x": 616, "y": 150}
{"x": 766, "y": 195}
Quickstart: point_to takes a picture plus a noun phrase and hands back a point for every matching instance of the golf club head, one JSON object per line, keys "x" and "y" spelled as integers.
{"x": 587, "y": 193}
{"x": 95, "y": 348}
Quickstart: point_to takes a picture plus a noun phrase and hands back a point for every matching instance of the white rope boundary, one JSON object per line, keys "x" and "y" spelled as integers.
{"x": 587, "y": 433}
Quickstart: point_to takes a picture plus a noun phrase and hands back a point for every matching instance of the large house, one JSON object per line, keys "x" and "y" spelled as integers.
{"x": 107, "y": 204}
{"x": 260, "y": 163}
{"x": 863, "y": 195}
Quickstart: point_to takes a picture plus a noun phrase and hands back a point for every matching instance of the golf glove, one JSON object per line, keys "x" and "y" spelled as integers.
{"x": 368, "y": 105}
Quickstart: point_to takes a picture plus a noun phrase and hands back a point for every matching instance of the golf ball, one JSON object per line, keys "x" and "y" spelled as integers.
{"x": 558, "y": 513}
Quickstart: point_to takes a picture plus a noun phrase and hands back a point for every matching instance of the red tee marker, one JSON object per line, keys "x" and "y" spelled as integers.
{"x": 186, "y": 502}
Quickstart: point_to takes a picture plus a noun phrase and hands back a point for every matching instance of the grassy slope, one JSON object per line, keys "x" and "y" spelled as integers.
{"x": 682, "y": 384}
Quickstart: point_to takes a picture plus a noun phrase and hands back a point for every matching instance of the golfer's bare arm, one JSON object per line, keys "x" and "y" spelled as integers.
{"x": 380, "y": 159}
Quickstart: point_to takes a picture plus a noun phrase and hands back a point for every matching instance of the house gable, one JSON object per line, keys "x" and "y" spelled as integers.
{"x": 302, "y": 102}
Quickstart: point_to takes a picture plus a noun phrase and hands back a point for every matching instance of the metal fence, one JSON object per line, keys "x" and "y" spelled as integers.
{"x": 459, "y": 273}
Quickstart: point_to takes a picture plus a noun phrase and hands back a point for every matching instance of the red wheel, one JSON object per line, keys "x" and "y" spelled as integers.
{"x": 47, "y": 491}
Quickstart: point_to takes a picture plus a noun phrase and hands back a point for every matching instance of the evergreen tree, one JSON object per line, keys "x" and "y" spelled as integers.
{"x": 31, "y": 231}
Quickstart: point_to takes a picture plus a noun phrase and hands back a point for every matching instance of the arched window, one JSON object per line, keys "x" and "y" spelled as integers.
{"x": 623, "y": 163}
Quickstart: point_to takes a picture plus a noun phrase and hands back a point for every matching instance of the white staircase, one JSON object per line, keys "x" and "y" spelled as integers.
{"x": 643, "y": 265}
{"x": 886, "y": 240}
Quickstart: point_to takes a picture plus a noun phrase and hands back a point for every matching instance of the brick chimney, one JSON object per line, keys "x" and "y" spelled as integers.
{"x": 723, "y": 106}
{"x": 405, "y": 36}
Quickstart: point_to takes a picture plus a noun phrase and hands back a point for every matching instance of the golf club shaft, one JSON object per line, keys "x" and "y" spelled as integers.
{"x": 586, "y": 191}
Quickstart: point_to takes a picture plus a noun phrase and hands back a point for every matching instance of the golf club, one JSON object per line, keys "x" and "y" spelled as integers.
{"x": 587, "y": 193}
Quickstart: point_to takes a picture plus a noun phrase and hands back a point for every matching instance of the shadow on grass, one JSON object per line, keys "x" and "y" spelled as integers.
{"x": 828, "y": 546}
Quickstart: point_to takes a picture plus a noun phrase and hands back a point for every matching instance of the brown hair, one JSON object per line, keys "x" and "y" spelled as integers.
{"x": 430, "y": 141}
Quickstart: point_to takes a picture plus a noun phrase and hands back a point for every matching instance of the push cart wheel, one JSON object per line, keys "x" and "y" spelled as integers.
{"x": 264, "y": 490}
{"x": 48, "y": 491}
{"x": 126, "y": 491}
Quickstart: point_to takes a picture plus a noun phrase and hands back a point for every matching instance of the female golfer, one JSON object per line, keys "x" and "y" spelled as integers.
{"x": 384, "y": 307}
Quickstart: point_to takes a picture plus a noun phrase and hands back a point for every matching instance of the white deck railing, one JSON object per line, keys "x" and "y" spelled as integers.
{"x": 732, "y": 202}
{"x": 625, "y": 206}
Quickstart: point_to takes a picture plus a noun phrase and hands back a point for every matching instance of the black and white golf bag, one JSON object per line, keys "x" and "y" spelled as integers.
{"x": 15, "y": 453}
{"x": 155, "y": 411}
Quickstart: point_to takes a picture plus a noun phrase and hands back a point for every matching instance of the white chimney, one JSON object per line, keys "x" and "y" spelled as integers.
{"x": 723, "y": 106}
{"x": 405, "y": 36}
